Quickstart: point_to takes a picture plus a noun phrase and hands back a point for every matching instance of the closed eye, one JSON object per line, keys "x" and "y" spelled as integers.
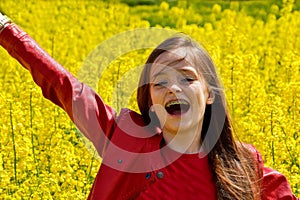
{"x": 187, "y": 80}
{"x": 160, "y": 83}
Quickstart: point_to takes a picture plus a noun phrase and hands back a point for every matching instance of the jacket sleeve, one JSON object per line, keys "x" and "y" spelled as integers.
{"x": 275, "y": 186}
{"x": 86, "y": 109}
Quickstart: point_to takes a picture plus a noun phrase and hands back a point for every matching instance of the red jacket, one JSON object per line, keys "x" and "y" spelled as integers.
{"x": 131, "y": 152}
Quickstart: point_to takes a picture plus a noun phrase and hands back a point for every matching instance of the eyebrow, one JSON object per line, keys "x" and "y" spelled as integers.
{"x": 181, "y": 71}
{"x": 156, "y": 75}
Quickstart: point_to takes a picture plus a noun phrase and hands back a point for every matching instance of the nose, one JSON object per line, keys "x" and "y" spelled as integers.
{"x": 174, "y": 88}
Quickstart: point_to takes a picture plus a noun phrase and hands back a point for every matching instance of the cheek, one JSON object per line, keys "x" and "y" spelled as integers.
{"x": 152, "y": 96}
{"x": 201, "y": 96}
{"x": 199, "y": 105}
{"x": 156, "y": 96}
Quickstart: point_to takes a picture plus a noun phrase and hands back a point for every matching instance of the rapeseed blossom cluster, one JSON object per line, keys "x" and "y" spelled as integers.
{"x": 43, "y": 155}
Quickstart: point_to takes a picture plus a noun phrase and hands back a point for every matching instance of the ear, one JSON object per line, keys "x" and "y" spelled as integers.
{"x": 211, "y": 98}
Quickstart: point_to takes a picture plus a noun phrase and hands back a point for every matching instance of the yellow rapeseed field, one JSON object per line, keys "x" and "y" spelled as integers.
{"x": 42, "y": 154}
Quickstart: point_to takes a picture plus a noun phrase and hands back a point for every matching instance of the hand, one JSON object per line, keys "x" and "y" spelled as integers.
{"x": 3, "y": 20}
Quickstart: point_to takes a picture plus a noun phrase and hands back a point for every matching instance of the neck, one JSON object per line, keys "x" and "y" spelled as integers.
{"x": 187, "y": 141}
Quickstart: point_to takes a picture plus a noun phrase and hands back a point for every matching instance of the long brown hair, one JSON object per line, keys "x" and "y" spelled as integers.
{"x": 233, "y": 165}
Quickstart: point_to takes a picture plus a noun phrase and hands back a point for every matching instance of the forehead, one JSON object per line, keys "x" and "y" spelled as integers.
{"x": 171, "y": 56}
{"x": 176, "y": 60}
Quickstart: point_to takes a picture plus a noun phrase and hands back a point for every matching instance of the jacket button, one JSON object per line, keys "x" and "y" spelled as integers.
{"x": 120, "y": 161}
{"x": 148, "y": 175}
{"x": 160, "y": 175}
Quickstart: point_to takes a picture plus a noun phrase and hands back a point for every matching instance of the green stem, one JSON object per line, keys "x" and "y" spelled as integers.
{"x": 32, "y": 135}
{"x": 90, "y": 170}
{"x": 118, "y": 92}
{"x": 293, "y": 158}
{"x": 272, "y": 144}
{"x": 232, "y": 90}
{"x": 14, "y": 144}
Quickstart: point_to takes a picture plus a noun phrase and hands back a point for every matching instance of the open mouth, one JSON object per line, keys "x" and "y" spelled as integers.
{"x": 177, "y": 107}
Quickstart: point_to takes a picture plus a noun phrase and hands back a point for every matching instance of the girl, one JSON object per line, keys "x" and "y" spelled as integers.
{"x": 181, "y": 146}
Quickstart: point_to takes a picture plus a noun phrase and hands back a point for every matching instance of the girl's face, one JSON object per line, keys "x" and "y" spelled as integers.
{"x": 179, "y": 94}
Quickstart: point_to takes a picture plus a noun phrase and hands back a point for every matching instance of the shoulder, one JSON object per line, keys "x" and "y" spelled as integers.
{"x": 274, "y": 184}
{"x": 130, "y": 126}
{"x": 127, "y": 113}
{"x": 134, "y": 122}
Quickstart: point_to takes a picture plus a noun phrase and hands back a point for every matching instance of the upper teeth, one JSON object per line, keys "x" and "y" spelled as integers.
{"x": 176, "y": 103}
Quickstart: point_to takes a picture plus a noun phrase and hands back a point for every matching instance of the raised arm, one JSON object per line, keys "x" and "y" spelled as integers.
{"x": 83, "y": 105}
